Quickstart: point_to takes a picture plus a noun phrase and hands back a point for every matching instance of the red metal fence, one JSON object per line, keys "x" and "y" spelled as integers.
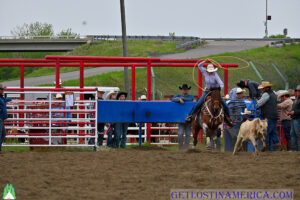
{"x": 88, "y": 61}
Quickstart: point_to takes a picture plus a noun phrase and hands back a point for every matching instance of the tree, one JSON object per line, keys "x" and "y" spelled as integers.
{"x": 33, "y": 30}
{"x": 68, "y": 34}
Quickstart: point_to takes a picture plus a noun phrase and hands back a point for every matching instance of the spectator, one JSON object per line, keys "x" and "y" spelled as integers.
{"x": 100, "y": 126}
{"x": 252, "y": 86}
{"x": 295, "y": 123}
{"x": 112, "y": 95}
{"x": 185, "y": 129}
{"x": 285, "y": 119}
{"x": 237, "y": 105}
{"x": 232, "y": 93}
{"x": 3, "y": 115}
{"x": 268, "y": 105}
{"x": 121, "y": 128}
{"x": 240, "y": 94}
{"x": 111, "y": 135}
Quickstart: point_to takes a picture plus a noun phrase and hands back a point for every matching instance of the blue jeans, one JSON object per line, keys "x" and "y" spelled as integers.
{"x": 121, "y": 134}
{"x": 272, "y": 137}
{"x": 184, "y": 135}
{"x": 2, "y": 133}
{"x": 286, "y": 125}
{"x": 201, "y": 101}
{"x": 295, "y": 133}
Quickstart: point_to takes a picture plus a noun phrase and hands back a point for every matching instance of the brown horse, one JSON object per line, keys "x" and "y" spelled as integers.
{"x": 209, "y": 117}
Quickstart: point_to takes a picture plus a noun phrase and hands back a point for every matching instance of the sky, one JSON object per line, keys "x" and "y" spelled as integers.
{"x": 201, "y": 18}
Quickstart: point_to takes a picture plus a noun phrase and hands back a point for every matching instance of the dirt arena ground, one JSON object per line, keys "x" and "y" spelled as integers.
{"x": 143, "y": 173}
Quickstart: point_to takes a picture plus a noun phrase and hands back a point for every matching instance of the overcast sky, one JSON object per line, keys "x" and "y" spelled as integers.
{"x": 202, "y": 18}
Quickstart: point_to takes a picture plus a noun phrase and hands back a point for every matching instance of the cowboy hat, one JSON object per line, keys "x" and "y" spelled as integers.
{"x": 185, "y": 87}
{"x": 297, "y": 88}
{"x": 108, "y": 96}
{"x": 121, "y": 93}
{"x": 143, "y": 97}
{"x": 265, "y": 84}
{"x": 246, "y": 112}
{"x": 211, "y": 68}
{"x": 100, "y": 90}
{"x": 240, "y": 90}
{"x": 285, "y": 92}
{"x": 241, "y": 84}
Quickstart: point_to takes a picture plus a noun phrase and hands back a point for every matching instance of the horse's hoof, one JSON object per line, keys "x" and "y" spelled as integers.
{"x": 193, "y": 147}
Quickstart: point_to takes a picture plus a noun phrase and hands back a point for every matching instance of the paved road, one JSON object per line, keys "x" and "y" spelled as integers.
{"x": 216, "y": 47}
{"x": 213, "y": 47}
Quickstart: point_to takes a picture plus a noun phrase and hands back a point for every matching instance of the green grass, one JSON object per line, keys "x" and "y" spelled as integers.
{"x": 168, "y": 79}
{"x": 145, "y": 144}
{"x": 143, "y": 48}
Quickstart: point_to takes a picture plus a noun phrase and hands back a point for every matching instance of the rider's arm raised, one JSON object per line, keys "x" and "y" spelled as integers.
{"x": 201, "y": 68}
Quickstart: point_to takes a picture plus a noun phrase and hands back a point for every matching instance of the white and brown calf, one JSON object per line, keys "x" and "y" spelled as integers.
{"x": 252, "y": 131}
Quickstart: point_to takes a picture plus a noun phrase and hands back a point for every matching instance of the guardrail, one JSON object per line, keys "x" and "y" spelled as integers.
{"x": 141, "y": 37}
{"x": 189, "y": 44}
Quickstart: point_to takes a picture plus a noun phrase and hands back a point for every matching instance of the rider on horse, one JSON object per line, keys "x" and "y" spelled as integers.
{"x": 212, "y": 80}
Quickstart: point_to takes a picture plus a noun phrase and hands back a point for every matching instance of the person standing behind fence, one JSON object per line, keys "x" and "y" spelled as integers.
{"x": 268, "y": 105}
{"x": 295, "y": 123}
{"x": 184, "y": 129}
{"x": 111, "y": 141}
{"x": 3, "y": 115}
{"x": 285, "y": 119}
{"x": 100, "y": 126}
{"x": 121, "y": 128}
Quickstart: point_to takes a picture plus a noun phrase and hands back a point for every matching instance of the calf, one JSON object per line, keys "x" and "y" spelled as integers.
{"x": 252, "y": 131}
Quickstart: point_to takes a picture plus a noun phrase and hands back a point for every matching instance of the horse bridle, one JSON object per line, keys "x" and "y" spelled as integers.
{"x": 212, "y": 117}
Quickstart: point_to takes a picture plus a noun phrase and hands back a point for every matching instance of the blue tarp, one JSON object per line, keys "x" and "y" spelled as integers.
{"x": 143, "y": 111}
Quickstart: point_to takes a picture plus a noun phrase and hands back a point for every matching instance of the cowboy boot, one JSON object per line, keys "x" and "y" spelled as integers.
{"x": 228, "y": 121}
{"x": 188, "y": 118}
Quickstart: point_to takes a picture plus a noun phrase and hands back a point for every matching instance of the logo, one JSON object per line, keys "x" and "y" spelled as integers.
{"x": 9, "y": 192}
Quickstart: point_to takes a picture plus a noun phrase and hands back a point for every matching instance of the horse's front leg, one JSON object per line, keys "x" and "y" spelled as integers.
{"x": 196, "y": 130}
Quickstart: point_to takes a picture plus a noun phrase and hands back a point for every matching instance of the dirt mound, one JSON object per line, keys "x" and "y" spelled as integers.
{"x": 143, "y": 173}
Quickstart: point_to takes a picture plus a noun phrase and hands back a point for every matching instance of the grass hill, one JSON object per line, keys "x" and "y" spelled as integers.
{"x": 168, "y": 79}
{"x": 141, "y": 48}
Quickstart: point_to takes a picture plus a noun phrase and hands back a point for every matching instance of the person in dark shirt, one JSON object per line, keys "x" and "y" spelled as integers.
{"x": 252, "y": 86}
{"x": 100, "y": 126}
{"x": 268, "y": 105}
{"x": 295, "y": 123}
{"x": 121, "y": 128}
{"x": 184, "y": 129}
{"x": 3, "y": 115}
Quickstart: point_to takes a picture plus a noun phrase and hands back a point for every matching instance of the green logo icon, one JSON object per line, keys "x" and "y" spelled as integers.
{"x": 9, "y": 192}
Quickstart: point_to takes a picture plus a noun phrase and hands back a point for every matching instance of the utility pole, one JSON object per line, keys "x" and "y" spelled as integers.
{"x": 266, "y": 23}
{"x": 126, "y": 74}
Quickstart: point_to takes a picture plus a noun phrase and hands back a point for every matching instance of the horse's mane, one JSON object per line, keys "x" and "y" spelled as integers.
{"x": 215, "y": 94}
